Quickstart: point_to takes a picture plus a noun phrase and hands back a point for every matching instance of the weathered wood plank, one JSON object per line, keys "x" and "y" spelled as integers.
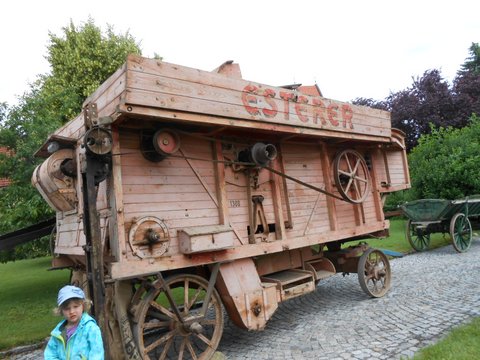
{"x": 127, "y": 269}
{"x": 258, "y": 100}
{"x": 161, "y": 188}
{"x": 73, "y": 128}
{"x": 235, "y": 95}
{"x": 148, "y": 99}
{"x": 154, "y": 197}
{"x": 117, "y": 81}
{"x": 281, "y": 129}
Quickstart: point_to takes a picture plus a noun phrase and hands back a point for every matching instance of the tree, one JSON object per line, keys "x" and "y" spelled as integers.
{"x": 432, "y": 101}
{"x": 443, "y": 121}
{"x": 428, "y": 101}
{"x": 80, "y": 61}
{"x": 445, "y": 162}
{"x": 466, "y": 86}
{"x": 3, "y": 111}
{"x": 472, "y": 63}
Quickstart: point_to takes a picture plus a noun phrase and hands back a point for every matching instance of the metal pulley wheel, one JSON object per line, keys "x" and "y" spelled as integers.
{"x": 98, "y": 141}
{"x": 166, "y": 142}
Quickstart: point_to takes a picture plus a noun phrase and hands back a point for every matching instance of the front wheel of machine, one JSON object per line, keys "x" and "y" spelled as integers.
{"x": 374, "y": 274}
{"x": 461, "y": 232}
{"x": 160, "y": 334}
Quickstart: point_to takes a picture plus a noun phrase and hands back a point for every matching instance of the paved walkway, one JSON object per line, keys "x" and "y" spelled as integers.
{"x": 431, "y": 293}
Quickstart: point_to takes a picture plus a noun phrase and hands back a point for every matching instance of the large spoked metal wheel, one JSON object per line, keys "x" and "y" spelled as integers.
{"x": 351, "y": 176}
{"x": 374, "y": 274}
{"x": 417, "y": 236}
{"x": 192, "y": 334}
{"x": 461, "y": 232}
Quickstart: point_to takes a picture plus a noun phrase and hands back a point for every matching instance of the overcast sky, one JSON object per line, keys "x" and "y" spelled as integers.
{"x": 350, "y": 48}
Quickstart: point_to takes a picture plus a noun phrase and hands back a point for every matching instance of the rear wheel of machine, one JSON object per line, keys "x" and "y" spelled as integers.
{"x": 418, "y": 240}
{"x": 161, "y": 335}
{"x": 374, "y": 273}
{"x": 461, "y": 232}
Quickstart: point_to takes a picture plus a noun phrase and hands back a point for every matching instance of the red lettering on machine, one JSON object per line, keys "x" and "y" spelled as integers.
{"x": 309, "y": 110}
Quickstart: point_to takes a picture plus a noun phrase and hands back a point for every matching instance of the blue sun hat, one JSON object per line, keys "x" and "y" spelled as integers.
{"x": 69, "y": 292}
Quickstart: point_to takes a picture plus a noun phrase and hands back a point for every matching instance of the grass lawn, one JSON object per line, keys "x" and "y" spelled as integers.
{"x": 28, "y": 295}
{"x": 27, "y": 298}
{"x": 398, "y": 242}
{"x": 462, "y": 343}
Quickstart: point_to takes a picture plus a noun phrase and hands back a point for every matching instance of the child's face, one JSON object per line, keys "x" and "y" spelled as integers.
{"x": 72, "y": 311}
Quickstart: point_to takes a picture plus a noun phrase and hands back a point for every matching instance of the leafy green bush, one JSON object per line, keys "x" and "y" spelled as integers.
{"x": 445, "y": 164}
{"x": 394, "y": 200}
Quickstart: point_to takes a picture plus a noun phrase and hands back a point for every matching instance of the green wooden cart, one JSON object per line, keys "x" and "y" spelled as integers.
{"x": 427, "y": 216}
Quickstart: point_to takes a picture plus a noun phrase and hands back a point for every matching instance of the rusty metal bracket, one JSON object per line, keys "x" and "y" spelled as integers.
{"x": 259, "y": 217}
{"x": 90, "y": 115}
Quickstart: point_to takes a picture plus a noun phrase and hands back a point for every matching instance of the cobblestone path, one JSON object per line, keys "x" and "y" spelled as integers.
{"x": 431, "y": 293}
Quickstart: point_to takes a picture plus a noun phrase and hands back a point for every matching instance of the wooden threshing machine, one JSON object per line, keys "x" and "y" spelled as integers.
{"x": 180, "y": 192}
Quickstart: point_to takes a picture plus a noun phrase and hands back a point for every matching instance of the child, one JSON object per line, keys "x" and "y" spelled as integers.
{"x": 78, "y": 335}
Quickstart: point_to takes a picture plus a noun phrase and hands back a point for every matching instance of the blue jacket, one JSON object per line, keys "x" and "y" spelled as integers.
{"x": 85, "y": 343}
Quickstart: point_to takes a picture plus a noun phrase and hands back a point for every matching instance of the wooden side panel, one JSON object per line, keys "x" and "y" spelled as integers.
{"x": 179, "y": 192}
{"x": 69, "y": 231}
{"x": 398, "y": 169}
{"x": 110, "y": 93}
{"x": 73, "y": 129}
{"x": 107, "y": 97}
{"x": 392, "y": 169}
{"x": 237, "y": 201}
{"x": 308, "y": 207}
{"x": 378, "y": 160}
{"x": 368, "y": 212}
{"x": 70, "y": 237}
{"x": 156, "y": 84}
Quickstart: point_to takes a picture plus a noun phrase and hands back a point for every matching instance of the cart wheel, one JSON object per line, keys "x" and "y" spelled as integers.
{"x": 351, "y": 176}
{"x": 461, "y": 232}
{"x": 374, "y": 273}
{"x": 418, "y": 240}
{"x": 159, "y": 332}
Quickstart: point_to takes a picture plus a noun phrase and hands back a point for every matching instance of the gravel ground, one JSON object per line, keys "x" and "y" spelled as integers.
{"x": 432, "y": 292}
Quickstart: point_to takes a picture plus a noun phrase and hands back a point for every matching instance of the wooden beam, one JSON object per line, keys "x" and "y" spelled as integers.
{"x": 327, "y": 176}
